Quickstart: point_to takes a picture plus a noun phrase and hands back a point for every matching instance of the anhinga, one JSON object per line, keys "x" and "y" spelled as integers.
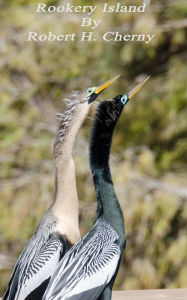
{"x": 58, "y": 229}
{"x": 89, "y": 269}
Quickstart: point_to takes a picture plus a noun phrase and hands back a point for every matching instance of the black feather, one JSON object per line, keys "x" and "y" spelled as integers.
{"x": 107, "y": 115}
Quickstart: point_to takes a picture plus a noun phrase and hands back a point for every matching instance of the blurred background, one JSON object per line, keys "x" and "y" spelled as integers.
{"x": 149, "y": 147}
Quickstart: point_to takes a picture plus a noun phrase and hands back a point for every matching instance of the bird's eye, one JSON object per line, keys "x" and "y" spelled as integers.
{"x": 124, "y": 99}
{"x": 91, "y": 90}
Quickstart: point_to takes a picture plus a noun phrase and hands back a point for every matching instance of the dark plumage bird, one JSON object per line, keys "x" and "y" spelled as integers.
{"x": 89, "y": 269}
{"x": 58, "y": 229}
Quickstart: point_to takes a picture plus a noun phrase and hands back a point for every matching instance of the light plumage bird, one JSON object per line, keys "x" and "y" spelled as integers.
{"x": 89, "y": 269}
{"x": 58, "y": 229}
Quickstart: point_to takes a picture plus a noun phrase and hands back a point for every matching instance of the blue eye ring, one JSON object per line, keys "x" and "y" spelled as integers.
{"x": 124, "y": 99}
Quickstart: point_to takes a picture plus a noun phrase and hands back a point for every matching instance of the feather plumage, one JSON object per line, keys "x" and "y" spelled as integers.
{"x": 66, "y": 117}
{"x": 90, "y": 267}
{"x": 37, "y": 262}
{"x": 42, "y": 254}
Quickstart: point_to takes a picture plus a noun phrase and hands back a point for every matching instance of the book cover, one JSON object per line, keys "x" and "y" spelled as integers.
{"x": 50, "y": 49}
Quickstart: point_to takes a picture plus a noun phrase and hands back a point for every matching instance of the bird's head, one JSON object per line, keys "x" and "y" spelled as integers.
{"x": 93, "y": 92}
{"x": 126, "y": 97}
{"x": 111, "y": 109}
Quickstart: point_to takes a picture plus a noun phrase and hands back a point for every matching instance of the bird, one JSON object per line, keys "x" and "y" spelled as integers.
{"x": 90, "y": 267}
{"x": 58, "y": 230}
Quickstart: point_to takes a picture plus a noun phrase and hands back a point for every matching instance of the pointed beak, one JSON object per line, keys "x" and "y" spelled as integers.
{"x": 135, "y": 90}
{"x": 102, "y": 88}
{"x": 106, "y": 84}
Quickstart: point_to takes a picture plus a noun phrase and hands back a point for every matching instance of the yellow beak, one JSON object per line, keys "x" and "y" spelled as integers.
{"x": 135, "y": 90}
{"x": 106, "y": 84}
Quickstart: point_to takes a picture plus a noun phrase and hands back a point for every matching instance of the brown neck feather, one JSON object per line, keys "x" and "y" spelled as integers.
{"x": 65, "y": 206}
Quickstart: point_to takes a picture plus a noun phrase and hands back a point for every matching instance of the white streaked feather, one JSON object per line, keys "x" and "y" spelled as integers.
{"x": 97, "y": 279}
{"x": 37, "y": 259}
{"x": 46, "y": 270}
{"x": 86, "y": 266}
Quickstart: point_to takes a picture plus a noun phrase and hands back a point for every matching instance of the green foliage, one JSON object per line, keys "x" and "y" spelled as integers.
{"x": 149, "y": 142}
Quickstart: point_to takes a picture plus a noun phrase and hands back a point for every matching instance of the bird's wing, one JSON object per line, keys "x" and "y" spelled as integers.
{"x": 90, "y": 270}
{"x": 41, "y": 268}
{"x": 36, "y": 264}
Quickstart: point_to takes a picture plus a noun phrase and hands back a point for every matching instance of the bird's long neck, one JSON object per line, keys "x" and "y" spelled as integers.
{"x": 105, "y": 121}
{"x": 65, "y": 205}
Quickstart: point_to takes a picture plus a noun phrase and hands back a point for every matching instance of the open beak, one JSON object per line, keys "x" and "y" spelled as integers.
{"x": 135, "y": 90}
{"x": 102, "y": 88}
